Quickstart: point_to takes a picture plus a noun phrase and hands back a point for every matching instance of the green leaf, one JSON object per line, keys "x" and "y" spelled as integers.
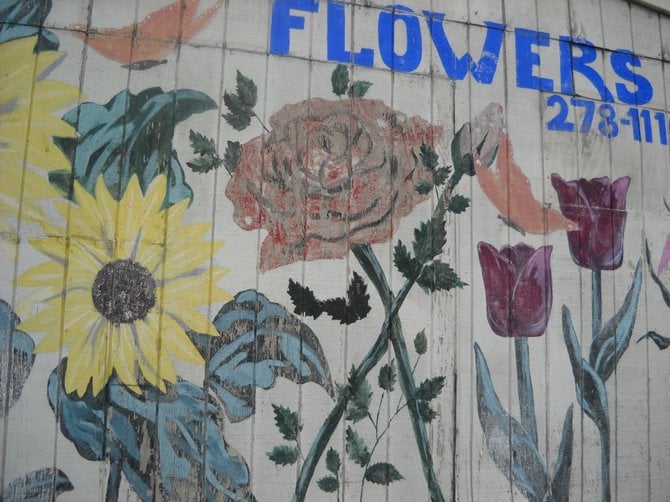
{"x": 439, "y": 276}
{"x": 201, "y": 144}
{"x": 240, "y": 115}
{"x": 62, "y": 180}
{"x": 340, "y": 80}
{"x": 426, "y": 412}
{"x": 458, "y": 204}
{"x": 421, "y": 342}
{"x": 333, "y": 462}
{"x": 283, "y": 455}
{"x": 560, "y": 481}
{"x": 440, "y": 175}
{"x": 428, "y": 157}
{"x": 231, "y": 158}
{"x": 287, "y": 422}
{"x": 356, "y": 448}
{"x": 661, "y": 341}
{"x": 429, "y": 239}
{"x": 387, "y": 377}
{"x": 382, "y": 474}
{"x": 204, "y": 164}
{"x": 360, "y": 402}
{"x": 430, "y": 388}
{"x": 406, "y": 265}
{"x": 246, "y": 90}
{"x": 328, "y": 484}
{"x": 423, "y": 186}
{"x": 359, "y": 88}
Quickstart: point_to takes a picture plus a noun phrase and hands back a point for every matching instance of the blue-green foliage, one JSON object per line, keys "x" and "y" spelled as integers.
{"x": 16, "y": 357}
{"x": 130, "y": 135}
{"x": 25, "y": 18}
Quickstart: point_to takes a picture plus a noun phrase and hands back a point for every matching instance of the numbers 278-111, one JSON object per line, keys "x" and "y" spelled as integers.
{"x": 647, "y": 125}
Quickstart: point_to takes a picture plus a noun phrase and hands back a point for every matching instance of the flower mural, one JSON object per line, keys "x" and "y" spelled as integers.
{"x": 517, "y": 281}
{"x": 135, "y": 279}
{"x": 330, "y": 174}
{"x": 599, "y": 208}
{"x": 28, "y": 102}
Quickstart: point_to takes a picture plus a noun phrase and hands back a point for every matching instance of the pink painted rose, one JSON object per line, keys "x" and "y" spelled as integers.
{"x": 330, "y": 174}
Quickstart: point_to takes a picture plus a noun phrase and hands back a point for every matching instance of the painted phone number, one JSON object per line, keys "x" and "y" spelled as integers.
{"x": 645, "y": 125}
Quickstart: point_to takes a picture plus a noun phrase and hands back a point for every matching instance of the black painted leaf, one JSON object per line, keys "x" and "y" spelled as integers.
{"x": 304, "y": 300}
{"x": 16, "y": 357}
{"x": 439, "y": 276}
{"x": 589, "y": 386}
{"x": 287, "y": 422}
{"x": 41, "y": 485}
{"x": 523, "y": 464}
{"x": 661, "y": 342}
{"x": 560, "y": 482}
{"x": 382, "y": 474}
{"x": 387, "y": 377}
{"x": 406, "y": 265}
{"x": 201, "y": 144}
{"x": 427, "y": 413}
{"x": 430, "y": 388}
{"x": 246, "y": 90}
{"x": 131, "y": 135}
{"x": 231, "y": 159}
{"x": 441, "y": 175}
{"x": 154, "y": 437}
{"x": 458, "y": 204}
{"x": 421, "y": 342}
{"x": 328, "y": 484}
{"x": 356, "y": 448}
{"x": 340, "y": 80}
{"x": 25, "y": 18}
{"x": 664, "y": 291}
{"x": 359, "y": 88}
{"x": 333, "y": 462}
{"x": 283, "y": 455}
{"x": 259, "y": 341}
{"x": 359, "y": 404}
{"x": 423, "y": 187}
{"x": 429, "y": 239}
{"x": 354, "y": 308}
{"x": 612, "y": 341}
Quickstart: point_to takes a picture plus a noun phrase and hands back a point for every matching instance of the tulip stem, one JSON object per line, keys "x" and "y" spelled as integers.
{"x": 525, "y": 387}
{"x": 605, "y": 464}
{"x": 113, "y": 482}
{"x": 596, "y": 302}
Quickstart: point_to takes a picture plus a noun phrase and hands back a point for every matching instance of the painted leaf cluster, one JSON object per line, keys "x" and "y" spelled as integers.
{"x": 25, "y": 18}
{"x": 241, "y": 103}
{"x": 16, "y": 356}
{"x": 340, "y": 83}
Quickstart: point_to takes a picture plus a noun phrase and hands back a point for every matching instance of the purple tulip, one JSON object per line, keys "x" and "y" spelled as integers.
{"x": 599, "y": 208}
{"x": 517, "y": 281}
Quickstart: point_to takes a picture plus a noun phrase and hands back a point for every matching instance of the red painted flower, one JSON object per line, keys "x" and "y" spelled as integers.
{"x": 599, "y": 208}
{"x": 517, "y": 281}
{"x": 330, "y": 174}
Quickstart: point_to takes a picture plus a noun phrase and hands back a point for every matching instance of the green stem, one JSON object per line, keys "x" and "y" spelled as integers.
{"x": 525, "y": 387}
{"x": 596, "y": 302}
{"x": 605, "y": 464}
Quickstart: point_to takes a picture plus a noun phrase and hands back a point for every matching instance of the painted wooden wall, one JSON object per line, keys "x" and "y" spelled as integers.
{"x": 278, "y": 250}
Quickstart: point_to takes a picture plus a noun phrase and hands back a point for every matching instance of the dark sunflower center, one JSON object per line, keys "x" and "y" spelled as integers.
{"x": 124, "y": 291}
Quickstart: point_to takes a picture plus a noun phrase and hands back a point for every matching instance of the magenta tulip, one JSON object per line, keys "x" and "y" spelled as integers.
{"x": 517, "y": 281}
{"x": 599, "y": 208}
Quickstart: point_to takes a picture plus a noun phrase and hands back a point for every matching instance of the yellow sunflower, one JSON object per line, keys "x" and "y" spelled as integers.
{"x": 121, "y": 290}
{"x": 28, "y": 100}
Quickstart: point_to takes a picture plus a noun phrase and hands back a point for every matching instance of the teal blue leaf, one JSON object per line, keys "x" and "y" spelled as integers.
{"x": 16, "y": 355}
{"x": 131, "y": 135}
{"x": 560, "y": 482}
{"x": 421, "y": 342}
{"x": 42, "y": 485}
{"x": 333, "y": 461}
{"x": 283, "y": 455}
{"x": 359, "y": 88}
{"x": 359, "y": 404}
{"x": 259, "y": 341}
{"x": 662, "y": 342}
{"x": 339, "y": 80}
{"x": 355, "y": 447}
{"x": 590, "y": 387}
{"x": 612, "y": 341}
{"x": 287, "y": 422}
{"x": 25, "y": 18}
{"x": 174, "y": 438}
{"x": 523, "y": 463}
